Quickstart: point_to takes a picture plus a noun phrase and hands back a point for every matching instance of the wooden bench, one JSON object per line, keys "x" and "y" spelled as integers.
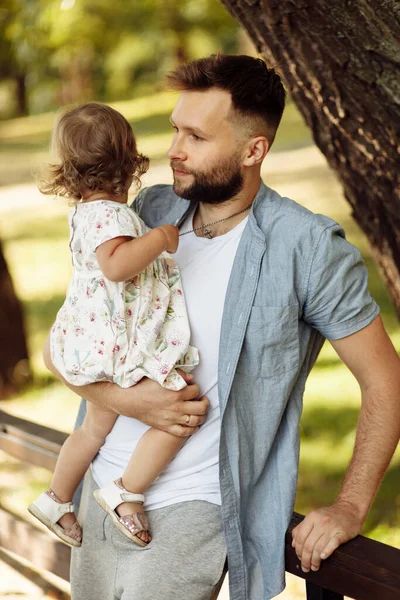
{"x": 362, "y": 569}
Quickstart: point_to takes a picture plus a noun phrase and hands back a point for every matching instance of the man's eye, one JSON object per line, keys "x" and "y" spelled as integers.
{"x": 196, "y": 137}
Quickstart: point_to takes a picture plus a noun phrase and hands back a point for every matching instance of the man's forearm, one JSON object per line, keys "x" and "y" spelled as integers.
{"x": 374, "y": 362}
{"x": 378, "y": 430}
{"x": 377, "y": 436}
{"x": 177, "y": 412}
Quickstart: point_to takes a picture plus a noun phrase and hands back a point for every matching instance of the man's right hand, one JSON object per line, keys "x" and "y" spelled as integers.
{"x": 164, "y": 409}
{"x": 146, "y": 401}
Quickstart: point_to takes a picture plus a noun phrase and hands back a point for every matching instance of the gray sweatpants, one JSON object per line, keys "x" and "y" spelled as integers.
{"x": 184, "y": 561}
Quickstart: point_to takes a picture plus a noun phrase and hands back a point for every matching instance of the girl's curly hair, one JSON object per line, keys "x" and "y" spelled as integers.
{"x": 96, "y": 150}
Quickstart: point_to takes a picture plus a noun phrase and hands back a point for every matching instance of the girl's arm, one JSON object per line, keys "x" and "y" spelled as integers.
{"x": 122, "y": 258}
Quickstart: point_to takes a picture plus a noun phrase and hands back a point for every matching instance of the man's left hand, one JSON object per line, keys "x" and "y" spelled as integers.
{"x": 322, "y": 531}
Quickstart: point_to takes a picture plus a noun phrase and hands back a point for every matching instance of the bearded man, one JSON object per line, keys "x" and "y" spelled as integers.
{"x": 265, "y": 281}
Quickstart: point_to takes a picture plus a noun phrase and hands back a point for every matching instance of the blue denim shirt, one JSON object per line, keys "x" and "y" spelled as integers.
{"x": 295, "y": 281}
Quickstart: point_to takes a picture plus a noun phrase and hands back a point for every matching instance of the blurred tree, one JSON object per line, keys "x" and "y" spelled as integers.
{"x": 154, "y": 40}
{"x": 23, "y": 46}
{"x": 14, "y": 366}
{"x": 97, "y": 49}
{"x": 340, "y": 62}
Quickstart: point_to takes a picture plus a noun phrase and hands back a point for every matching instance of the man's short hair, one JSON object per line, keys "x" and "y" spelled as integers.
{"x": 257, "y": 92}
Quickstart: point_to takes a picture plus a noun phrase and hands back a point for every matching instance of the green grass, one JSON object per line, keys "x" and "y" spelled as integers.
{"x": 25, "y": 141}
{"x": 35, "y": 244}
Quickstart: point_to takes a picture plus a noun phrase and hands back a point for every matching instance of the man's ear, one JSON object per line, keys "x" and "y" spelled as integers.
{"x": 256, "y": 150}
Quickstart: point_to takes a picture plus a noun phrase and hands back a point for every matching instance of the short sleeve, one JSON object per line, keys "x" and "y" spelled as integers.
{"x": 337, "y": 301}
{"x": 138, "y": 201}
{"x": 107, "y": 222}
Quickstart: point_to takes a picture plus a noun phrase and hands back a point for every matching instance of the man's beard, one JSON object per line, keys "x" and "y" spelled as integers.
{"x": 219, "y": 184}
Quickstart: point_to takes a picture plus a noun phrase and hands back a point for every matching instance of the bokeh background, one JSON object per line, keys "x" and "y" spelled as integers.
{"x": 56, "y": 52}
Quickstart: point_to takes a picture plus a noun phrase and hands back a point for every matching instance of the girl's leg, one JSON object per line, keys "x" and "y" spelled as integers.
{"x": 153, "y": 453}
{"x": 77, "y": 453}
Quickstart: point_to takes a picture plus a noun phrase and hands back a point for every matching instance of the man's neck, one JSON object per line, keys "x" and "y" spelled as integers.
{"x": 208, "y": 213}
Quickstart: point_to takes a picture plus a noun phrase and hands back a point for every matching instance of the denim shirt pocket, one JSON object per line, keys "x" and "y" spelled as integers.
{"x": 271, "y": 344}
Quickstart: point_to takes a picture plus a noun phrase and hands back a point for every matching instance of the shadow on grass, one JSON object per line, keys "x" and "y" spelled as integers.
{"x": 40, "y": 314}
{"x": 24, "y": 175}
{"x": 381, "y": 295}
{"x": 327, "y": 363}
{"x": 53, "y": 229}
{"x": 29, "y": 143}
{"x": 385, "y": 508}
{"x": 330, "y": 422}
{"x": 320, "y": 481}
{"x": 319, "y": 486}
{"x": 152, "y": 125}
{"x": 30, "y": 392}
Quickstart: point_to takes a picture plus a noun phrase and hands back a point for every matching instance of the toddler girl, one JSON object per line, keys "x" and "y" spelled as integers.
{"x": 124, "y": 317}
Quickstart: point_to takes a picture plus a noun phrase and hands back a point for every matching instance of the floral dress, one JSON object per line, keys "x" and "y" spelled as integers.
{"x": 119, "y": 332}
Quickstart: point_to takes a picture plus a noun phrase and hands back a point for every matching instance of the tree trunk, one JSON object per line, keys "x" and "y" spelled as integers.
{"x": 340, "y": 61}
{"x": 14, "y": 366}
{"x": 22, "y": 99}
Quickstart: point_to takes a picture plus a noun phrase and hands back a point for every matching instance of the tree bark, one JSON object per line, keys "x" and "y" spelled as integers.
{"x": 14, "y": 366}
{"x": 340, "y": 62}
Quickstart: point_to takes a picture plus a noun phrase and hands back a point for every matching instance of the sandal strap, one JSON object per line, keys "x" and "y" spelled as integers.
{"x": 128, "y": 496}
{"x": 131, "y": 497}
{"x": 114, "y": 494}
{"x": 52, "y": 509}
{"x": 74, "y": 532}
{"x": 135, "y": 522}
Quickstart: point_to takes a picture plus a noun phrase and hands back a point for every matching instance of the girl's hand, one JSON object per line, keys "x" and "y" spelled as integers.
{"x": 172, "y": 237}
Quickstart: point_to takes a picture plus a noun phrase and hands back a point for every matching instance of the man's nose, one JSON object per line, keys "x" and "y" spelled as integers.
{"x": 177, "y": 150}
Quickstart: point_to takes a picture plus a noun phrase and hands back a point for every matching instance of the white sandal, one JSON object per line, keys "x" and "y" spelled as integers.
{"x": 49, "y": 509}
{"x": 113, "y": 495}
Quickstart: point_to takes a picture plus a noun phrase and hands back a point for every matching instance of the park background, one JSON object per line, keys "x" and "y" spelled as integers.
{"x": 58, "y": 52}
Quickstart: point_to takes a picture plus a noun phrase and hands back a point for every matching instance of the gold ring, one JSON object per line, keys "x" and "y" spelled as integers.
{"x": 187, "y": 419}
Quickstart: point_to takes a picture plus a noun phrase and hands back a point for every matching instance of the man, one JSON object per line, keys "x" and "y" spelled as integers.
{"x": 265, "y": 282}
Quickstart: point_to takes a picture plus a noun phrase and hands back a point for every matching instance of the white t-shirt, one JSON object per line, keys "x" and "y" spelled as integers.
{"x": 205, "y": 267}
